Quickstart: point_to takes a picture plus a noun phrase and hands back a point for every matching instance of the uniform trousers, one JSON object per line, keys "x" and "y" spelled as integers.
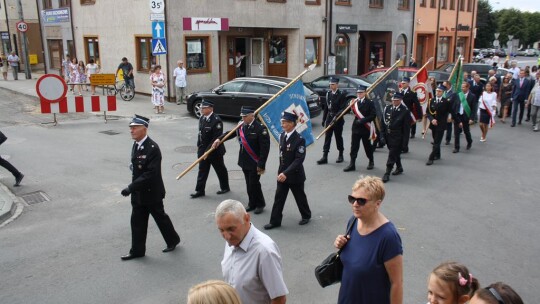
{"x": 466, "y": 130}
{"x": 218, "y": 163}
{"x": 395, "y": 144}
{"x": 4, "y": 163}
{"x": 253, "y": 186}
{"x": 355, "y": 144}
{"x": 449, "y": 131}
{"x": 139, "y": 225}
{"x": 515, "y": 105}
{"x": 438, "y": 134}
{"x": 282, "y": 191}
{"x": 336, "y": 130}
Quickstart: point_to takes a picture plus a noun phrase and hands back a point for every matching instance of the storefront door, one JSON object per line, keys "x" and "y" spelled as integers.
{"x": 257, "y": 57}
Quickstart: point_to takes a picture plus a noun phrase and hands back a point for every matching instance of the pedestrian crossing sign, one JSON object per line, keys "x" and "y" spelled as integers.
{"x": 159, "y": 46}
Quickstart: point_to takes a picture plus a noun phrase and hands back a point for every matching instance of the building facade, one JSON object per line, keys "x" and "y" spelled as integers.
{"x": 444, "y": 29}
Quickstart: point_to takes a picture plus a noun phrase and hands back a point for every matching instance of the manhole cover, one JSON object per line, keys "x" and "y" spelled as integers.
{"x": 236, "y": 174}
{"x": 110, "y": 132}
{"x": 186, "y": 149}
{"x": 183, "y": 166}
{"x": 35, "y": 197}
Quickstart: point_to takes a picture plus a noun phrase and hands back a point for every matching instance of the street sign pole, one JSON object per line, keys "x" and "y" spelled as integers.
{"x": 27, "y": 71}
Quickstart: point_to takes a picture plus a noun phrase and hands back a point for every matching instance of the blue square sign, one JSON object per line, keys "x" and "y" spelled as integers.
{"x": 159, "y": 46}
{"x": 158, "y": 29}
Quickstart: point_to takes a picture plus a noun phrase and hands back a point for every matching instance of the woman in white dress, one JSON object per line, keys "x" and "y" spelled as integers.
{"x": 74, "y": 76}
{"x": 92, "y": 68}
{"x": 158, "y": 81}
{"x": 487, "y": 105}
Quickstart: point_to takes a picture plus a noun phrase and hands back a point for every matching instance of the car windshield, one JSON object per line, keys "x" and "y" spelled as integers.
{"x": 233, "y": 86}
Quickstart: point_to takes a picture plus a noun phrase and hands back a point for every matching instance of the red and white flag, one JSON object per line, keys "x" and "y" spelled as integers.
{"x": 422, "y": 86}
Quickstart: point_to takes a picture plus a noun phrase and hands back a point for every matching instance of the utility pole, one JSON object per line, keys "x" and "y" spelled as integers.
{"x": 27, "y": 71}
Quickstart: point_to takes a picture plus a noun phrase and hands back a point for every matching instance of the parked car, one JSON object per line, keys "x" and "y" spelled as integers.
{"x": 500, "y": 53}
{"x": 228, "y": 98}
{"x": 475, "y": 52}
{"x": 480, "y": 68}
{"x": 440, "y": 76}
{"x": 521, "y": 53}
{"x": 347, "y": 83}
{"x": 531, "y": 52}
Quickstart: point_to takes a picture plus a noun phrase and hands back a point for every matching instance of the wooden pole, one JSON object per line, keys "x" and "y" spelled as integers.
{"x": 205, "y": 155}
{"x": 368, "y": 91}
{"x": 454, "y": 68}
{"x": 424, "y": 66}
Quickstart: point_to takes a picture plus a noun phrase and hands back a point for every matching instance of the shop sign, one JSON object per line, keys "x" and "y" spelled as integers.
{"x": 346, "y": 28}
{"x": 55, "y": 15}
{"x": 205, "y": 24}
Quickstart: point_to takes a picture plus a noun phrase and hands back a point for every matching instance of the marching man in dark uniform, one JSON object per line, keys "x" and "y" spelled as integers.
{"x": 397, "y": 120}
{"x": 254, "y": 148}
{"x": 363, "y": 128}
{"x": 291, "y": 175}
{"x": 210, "y": 128}
{"x": 335, "y": 104}
{"x": 410, "y": 99}
{"x": 147, "y": 191}
{"x": 464, "y": 118}
{"x": 437, "y": 110}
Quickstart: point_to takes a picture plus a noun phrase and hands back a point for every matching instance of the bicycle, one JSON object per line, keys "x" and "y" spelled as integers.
{"x": 127, "y": 92}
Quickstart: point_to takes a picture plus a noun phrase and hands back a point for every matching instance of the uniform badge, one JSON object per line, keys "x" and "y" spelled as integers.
{"x": 264, "y": 132}
{"x": 301, "y": 149}
{"x": 218, "y": 126}
{"x": 288, "y": 147}
{"x": 140, "y": 166}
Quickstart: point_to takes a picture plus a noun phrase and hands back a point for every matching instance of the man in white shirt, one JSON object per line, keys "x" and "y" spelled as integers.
{"x": 180, "y": 83}
{"x": 13, "y": 60}
{"x": 252, "y": 260}
{"x": 514, "y": 69}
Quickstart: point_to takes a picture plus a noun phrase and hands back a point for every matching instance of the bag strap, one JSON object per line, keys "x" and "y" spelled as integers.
{"x": 349, "y": 229}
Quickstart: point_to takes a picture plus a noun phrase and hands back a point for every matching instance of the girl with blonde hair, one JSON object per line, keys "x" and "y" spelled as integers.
{"x": 213, "y": 292}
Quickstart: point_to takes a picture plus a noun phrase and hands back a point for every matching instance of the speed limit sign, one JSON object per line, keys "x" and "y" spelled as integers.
{"x": 22, "y": 26}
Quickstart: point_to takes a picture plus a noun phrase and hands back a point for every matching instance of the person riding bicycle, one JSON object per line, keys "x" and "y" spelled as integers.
{"x": 127, "y": 71}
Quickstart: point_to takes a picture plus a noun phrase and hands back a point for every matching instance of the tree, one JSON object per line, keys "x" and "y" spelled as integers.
{"x": 533, "y": 28}
{"x": 512, "y": 22}
{"x": 486, "y": 25}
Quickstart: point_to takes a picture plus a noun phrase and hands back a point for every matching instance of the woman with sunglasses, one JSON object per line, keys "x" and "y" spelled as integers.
{"x": 372, "y": 253}
{"x": 496, "y": 293}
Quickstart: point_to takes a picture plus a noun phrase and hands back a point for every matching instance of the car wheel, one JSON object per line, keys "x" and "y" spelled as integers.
{"x": 197, "y": 105}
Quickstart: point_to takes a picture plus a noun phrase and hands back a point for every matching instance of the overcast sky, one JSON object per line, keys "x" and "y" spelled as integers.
{"x": 522, "y": 5}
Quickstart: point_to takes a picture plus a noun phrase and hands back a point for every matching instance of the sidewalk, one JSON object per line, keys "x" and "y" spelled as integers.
{"x": 140, "y": 104}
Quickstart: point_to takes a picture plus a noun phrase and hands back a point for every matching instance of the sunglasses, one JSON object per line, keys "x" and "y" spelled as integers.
{"x": 360, "y": 200}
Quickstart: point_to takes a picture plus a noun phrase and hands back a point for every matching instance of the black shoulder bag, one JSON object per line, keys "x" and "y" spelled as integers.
{"x": 330, "y": 270}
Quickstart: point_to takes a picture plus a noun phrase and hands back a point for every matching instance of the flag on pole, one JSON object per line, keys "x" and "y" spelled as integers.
{"x": 292, "y": 100}
{"x": 456, "y": 80}
{"x": 422, "y": 86}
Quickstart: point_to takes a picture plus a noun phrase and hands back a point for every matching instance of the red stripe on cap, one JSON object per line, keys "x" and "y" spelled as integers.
{"x": 111, "y": 103}
{"x": 186, "y": 24}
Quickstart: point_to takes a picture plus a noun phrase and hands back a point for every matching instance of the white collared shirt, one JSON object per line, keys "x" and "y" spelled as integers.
{"x": 288, "y": 135}
{"x": 139, "y": 143}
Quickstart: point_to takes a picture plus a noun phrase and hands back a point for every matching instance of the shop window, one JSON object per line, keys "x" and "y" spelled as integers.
{"x": 376, "y": 3}
{"x": 55, "y": 53}
{"x": 443, "y": 4}
{"x": 341, "y": 45}
{"x": 144, "y": 58}
{"x": 88, "y": 2}
{"x": 423, "y": 3}
{"x": 343, "y": 2}
{"x": 91, "y": 48}
{"x": 313, "y": 2}
{"x": 377, "y": 52}
{"x": 64, "y": 3}
{"x": 433, "y": 4}
{"x": 444, "y": 43}
{"x": 197, "y": 54}
{"x": 278, "y": 50}
{"x": 462, "y": 5}
{"x": 312, "y": 45}
{"x": 452, "y": 4}
{"x": 401, "y": 48}
{"x": 469, "y": 5}
{"x": 403, "y": 4}
{"x": 47, "y": 4}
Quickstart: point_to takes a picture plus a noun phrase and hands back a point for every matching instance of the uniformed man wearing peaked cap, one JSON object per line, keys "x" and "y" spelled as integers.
{"x": 147, "y": 191}
{"x": 335, "y": 104}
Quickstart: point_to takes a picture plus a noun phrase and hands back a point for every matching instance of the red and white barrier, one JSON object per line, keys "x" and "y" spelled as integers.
{"x": 77, "y": 104}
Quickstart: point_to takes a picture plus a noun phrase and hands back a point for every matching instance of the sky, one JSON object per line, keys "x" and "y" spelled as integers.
{"x": 522, "y": 5}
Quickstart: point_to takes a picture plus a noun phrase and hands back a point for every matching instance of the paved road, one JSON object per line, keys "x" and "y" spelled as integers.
{"x": 479, "y": 207}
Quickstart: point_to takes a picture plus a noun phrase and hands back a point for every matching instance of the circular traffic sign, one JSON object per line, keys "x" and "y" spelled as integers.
{"x": 157, "y": 6}
{"x": 51, "y": 88}
{"x": 22, "y": 26}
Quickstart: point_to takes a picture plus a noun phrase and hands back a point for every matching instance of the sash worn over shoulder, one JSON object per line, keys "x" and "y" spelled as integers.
{"x": 246, "y": 146}
{"x": 370, "y": 126}
{"x": 491, "y": 119}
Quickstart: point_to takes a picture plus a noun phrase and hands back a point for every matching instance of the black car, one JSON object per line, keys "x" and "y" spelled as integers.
{"x": 228, "y": 98}
{"x": 480, "y": 68}
{"x": 347, "y": 83}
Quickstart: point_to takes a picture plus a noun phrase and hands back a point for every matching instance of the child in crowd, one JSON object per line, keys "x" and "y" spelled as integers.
{"x": 496, "y": 293}
{"x": 451, "y": 283}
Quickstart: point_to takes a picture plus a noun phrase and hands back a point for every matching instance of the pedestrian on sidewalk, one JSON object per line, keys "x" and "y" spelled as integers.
{"x": 81, "y": 68}
{"x": 147, "y": 191}
{"x": 158, "y": 81}
{"x": 91, "y": 69}
{"x": 4, "y": 163}
{"x": 14, "y": 60}
{"x": 74, "y": 76}
{"x": 4, "y": 64}
{"x": 180, "y": 83}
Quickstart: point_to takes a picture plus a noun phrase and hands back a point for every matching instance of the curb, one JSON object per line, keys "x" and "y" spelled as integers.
{"x": 14, "y": 205}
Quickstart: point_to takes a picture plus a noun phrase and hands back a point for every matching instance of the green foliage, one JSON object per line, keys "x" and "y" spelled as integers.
{"x": 486, "y": 25}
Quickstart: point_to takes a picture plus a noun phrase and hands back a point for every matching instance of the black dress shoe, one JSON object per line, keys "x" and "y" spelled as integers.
{"x": 519, "y": 122}
{"x": 371, "y": 165}
{"x": 18, "y": 180}
{"x": 512, "y": 125}
{"x": 303, "y": 221}
{"x": 447, "y": 142}
{"x": 170, "y": 248}
{"x": 270, "y": 226}
{"x": 259, "y": 210}
{"x": 386, "y": 177}
{"x": 437, "y": 158}
{"x": 197, "y": 194}
{"x": 527, "y": 119}
{"x": 429, "y": 162}
{"x": 398, "y": 171}
{"x": 469, "y": 146}
{"x": 405, "y": 151}
{"x": 455, "y": 151}
{"x": 130, "y": 256}
{"x": 412, "y": 135}
{"x": 223, "y": 191}
{"x": 249, "y": 208}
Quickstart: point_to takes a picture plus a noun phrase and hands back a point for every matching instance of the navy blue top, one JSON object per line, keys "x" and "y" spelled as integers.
{"x": 365, "y": 280}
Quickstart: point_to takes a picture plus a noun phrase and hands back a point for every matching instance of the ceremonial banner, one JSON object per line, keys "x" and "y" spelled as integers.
{"x": 422, "y": 86}
{"x": 456, "y": 79}
{"x": 292, "y": 100}
{"x": 383, "y": 92}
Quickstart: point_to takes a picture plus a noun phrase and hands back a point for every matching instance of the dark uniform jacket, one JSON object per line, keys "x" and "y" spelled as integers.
{"x": 472, "y": 101}
{"x": 258, "y": 139}
{"x": 291, "y": 158}
{"x": 146, "y": 183}
{"x": 476, "y": 88}
{"x": 367, "y": 108}
{"x": 209, "y": 131}
{"x": 440, "y": 111}
{"x": 410, "y": 99}
{"x": 397, "y": 122}
{"x": 335, "y": 104}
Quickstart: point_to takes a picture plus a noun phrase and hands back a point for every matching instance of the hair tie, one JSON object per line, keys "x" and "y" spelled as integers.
{"x": 470, "y": 279}
{"x": 462, "y": 280}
